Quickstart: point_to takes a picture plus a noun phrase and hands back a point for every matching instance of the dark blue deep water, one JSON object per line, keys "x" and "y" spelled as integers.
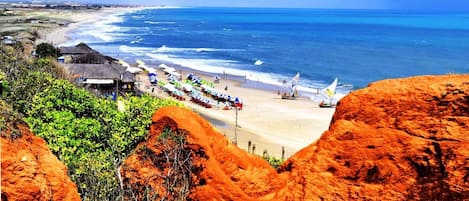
{"x": 357, "y": 46}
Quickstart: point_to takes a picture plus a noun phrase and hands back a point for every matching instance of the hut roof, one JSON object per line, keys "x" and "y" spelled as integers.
{"x": 92, "y": 58}
{"x": 79, "y": 49}
{"x": 101, "y": 71}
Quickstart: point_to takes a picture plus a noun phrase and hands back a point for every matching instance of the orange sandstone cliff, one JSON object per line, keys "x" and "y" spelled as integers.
{"x": 401, "y": 139}
{"x": 29, "y": 169}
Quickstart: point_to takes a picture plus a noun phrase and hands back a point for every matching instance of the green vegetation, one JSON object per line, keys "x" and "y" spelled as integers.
{"x": 9, "y": 120}
{"x": 89, "y": 134}
{"x": 46, "y": 50}
{"x": 274, "y": 162}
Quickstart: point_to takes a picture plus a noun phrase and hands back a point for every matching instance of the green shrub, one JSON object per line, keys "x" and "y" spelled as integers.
{"x": 80, "y": 127}
{"x": 274, "y": 162}
{"x": 46, "y": 50}
{"x": 86, "y": 133}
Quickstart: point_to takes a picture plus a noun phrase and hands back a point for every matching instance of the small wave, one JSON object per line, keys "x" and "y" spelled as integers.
{"x": 138, "y": 51}
{"x": 138, "y": 39}
{"x": 306, "y": 87}
{"x": 219, "y": 66}
{"x": 104, "y": 29}
{"x": 153, "y": 22}
{"x": 166, "y": 49}
{"x": 258, "y": 62}
{"x": 205, "y": 50}
{"x": 137, "y": 16}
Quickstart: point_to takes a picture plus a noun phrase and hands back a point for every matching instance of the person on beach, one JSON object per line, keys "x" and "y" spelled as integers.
{"x": 226, "y": 87}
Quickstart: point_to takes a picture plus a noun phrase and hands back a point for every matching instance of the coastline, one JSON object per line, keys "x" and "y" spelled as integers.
{"x": 267, "y": 121}
{"x": 59, "y": 35}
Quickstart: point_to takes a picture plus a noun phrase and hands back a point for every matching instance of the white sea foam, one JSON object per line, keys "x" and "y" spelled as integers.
{"x": 166, "y": 49}
{"x": 103, "y": 29}
{"x": 258, "y": 62}
{"x": 219, "y": 66}
{"x": 231, "y": 67}
{"x": 156, "y": 22}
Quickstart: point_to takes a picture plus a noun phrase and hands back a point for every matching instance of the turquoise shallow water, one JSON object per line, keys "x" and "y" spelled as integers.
{"x": 270, "y": 45}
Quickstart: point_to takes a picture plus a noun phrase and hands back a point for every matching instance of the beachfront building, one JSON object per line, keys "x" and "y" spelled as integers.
{"x": 102, "y": 79}
{"x": 99, "y": 73}
{"x": 82, "y": 53}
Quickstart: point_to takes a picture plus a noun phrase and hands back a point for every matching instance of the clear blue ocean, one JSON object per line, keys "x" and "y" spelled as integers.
{"x": 357, "y": 46}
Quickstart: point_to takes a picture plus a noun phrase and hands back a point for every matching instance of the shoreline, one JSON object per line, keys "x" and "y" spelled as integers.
{"x": 267, "y": 121}
{"x": 59, "y": 35}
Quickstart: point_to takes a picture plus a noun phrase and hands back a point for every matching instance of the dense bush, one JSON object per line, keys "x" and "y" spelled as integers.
{"x": 23, "y": 79}
{"x": 46, "y": 50}
{"x": 90, "y": 135}
{"x": 274, "y": 162}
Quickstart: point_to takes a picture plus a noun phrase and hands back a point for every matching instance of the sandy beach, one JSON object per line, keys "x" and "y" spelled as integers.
{"x": 266, "y": 121}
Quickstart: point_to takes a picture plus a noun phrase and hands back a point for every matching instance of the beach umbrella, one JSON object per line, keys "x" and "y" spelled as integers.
{"x": 153, "y": 78}
{"x": 169, "y": 87}
{"x": 163, "y": 66}
{"x": 187, "y": 87}
{"x": 169, "y": 70}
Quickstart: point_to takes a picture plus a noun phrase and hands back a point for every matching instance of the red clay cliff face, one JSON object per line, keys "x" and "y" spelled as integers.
{"x": 402, "y": 139}
{"x": 29, "y": 169}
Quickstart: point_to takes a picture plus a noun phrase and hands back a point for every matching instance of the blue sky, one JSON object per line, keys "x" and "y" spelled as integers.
{"x": 354, "y": 4}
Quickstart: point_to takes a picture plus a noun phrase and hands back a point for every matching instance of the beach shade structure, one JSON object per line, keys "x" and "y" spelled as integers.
{"x": 190, "y": 76}
{"x": 238, "y": 103}
{"x": 153, "y": 78}
{"x": 169, "y": 70}
{"x": 169, "y": 87}
{"x": 123, "y": 63}
{"x": 61, "y": 59}
{"x": 133, "y": 69}
{"x": 227, "y": 106}
{"x": 142, "y": 65}
{"x": 140, "y": 62}
{"x": 187, "y": 87}
{"x": 176, "y": 74}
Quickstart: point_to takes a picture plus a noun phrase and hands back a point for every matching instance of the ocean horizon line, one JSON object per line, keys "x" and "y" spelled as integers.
{"x": 415, "y": 10}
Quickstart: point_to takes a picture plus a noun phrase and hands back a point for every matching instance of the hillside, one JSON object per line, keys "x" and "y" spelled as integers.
{"x": 29, "y": 169}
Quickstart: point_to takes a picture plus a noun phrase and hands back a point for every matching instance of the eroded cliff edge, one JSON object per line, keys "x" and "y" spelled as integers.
{"x": 397, "y": 139}
{"x": 29, "y": 169}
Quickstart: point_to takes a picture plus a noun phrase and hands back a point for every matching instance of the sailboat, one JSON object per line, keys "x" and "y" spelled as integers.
{"x": 290, "y": 91}
{"x": 328, "y": 93}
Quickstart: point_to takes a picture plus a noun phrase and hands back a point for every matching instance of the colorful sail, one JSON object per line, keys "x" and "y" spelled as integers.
{"x": 329, "y": 91}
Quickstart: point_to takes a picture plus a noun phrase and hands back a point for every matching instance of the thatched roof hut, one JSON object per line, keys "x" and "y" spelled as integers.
{"x": 79, "y": 49}
{"x": 101, "y": 73}
{"x": 92, "y": 58}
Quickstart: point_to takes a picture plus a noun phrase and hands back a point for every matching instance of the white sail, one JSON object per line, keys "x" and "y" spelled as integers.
{"x": 291, "y": 85}
{"x": 329, "y": 91}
